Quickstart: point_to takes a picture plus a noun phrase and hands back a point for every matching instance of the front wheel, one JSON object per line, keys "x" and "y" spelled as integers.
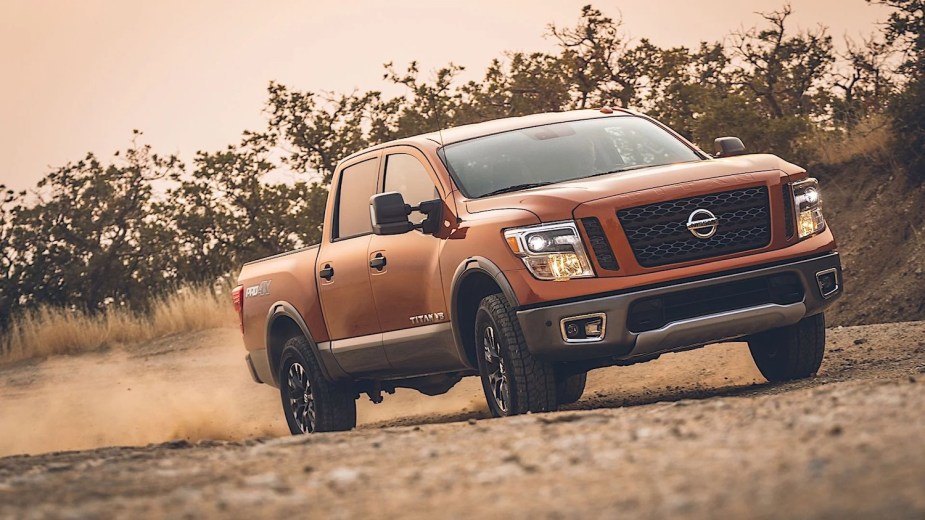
{"x": 513, "y": 380}
{"x": 312, "y": 403}
{"x": 792, "y": 352}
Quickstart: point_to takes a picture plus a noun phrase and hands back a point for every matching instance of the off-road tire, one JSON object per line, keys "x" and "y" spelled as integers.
{"x": 792, "y": 352}
{"x": 335, "y": 407}
{"x": 569, "y": 387}
{"x": 531, "y": 382}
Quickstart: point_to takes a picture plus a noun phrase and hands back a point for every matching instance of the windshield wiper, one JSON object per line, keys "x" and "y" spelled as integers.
{"x": 625, "y": 169}
{"x": 517, "y": 187}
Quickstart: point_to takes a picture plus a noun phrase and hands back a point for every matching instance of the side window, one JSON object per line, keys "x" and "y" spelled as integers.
{"x": 406, "y": 175}
{"x": 357, "y": 185}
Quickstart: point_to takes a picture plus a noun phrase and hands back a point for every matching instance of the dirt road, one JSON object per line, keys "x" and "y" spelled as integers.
{"x": 693, "y": 435}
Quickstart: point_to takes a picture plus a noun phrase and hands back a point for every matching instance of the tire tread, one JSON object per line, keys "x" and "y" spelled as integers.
{"x": 534, "y": 380}
{"x": 798, "y": 348}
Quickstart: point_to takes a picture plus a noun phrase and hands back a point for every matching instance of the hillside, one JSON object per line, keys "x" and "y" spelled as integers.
{"x": 878, "y": 216}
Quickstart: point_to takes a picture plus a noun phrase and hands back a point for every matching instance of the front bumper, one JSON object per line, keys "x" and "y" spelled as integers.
{"x": 542, "y": 326}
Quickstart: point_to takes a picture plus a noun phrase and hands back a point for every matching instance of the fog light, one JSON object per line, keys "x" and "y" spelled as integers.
{"x": 828, "y": 282}
{"x": 585, "y": 328}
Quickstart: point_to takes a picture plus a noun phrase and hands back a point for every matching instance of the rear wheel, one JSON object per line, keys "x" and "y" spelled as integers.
{"x": 513, "y": 380}
{"x": 792, "y": 352}
{"x": 569, "y": 387}
{"x": 312, "y": 403}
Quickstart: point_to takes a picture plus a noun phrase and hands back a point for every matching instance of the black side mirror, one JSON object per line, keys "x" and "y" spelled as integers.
{"x": 389, "y": 214}
{"x": 728, "y": 146}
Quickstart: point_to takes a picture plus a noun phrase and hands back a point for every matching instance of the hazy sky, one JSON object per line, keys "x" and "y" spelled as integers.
{"x": 78, "y": 76}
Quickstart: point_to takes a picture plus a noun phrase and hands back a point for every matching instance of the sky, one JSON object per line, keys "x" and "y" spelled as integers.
{"x": 79, "y": 76}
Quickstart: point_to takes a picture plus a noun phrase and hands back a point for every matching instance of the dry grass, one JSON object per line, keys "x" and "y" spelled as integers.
{"x": 51, "y": 331}
{"x": 870, "y": 139}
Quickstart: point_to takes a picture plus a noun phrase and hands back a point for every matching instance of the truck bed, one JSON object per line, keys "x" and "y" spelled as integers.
{"x": 286, "y": 277}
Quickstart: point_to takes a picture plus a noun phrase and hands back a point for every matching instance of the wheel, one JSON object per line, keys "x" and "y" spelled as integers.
{"x": 570, "y": 387}
{"x": 792, "y": 352}
{"x": 513, "y": 380}
{"x": 312, "y": 403}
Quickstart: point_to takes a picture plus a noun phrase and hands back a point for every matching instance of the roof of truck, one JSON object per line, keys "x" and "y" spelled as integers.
{"x": 496, "y": 126}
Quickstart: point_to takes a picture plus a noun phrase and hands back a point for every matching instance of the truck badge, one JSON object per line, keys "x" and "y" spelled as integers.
{"x": 702, "y": 224}
{"x": 427, "y": 318}
{"x": 258, "y": 290}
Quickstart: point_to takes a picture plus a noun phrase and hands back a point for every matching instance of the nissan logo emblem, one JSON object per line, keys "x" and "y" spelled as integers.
{"x": 702, "y": 224}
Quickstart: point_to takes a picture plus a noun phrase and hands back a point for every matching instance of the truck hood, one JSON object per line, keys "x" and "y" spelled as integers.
{"x": 557, "y": 201}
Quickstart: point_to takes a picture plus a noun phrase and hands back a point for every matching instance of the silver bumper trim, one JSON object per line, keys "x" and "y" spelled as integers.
{"x": 717, "y": 327}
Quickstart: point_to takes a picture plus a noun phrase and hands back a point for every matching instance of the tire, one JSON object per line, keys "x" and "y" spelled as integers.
{"x": 310, "y": 402}
{"x": 792, "y": 352}
{"x": 570, "y": 387}
{"x": 513, "y": 380}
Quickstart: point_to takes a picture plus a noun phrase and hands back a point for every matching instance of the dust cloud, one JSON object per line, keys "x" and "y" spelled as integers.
{"x": 187, "y": 386}
{"x": 192, "y": 387}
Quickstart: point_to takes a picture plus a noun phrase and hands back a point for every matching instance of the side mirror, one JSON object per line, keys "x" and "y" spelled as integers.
{"x": 389, "y": 214}
{"x": 728, "y": 146}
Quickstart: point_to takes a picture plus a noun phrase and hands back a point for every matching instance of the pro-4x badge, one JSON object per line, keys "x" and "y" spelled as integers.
{"x": 263, "y": 289}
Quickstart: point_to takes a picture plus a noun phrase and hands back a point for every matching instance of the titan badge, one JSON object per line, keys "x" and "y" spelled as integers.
{"x": 427, "y": 318}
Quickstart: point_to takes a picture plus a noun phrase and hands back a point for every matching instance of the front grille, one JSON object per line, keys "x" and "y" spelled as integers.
{"x": 656, "y": 312}
{"x": 599, "y": 244}
{"x": 658, "y": 232}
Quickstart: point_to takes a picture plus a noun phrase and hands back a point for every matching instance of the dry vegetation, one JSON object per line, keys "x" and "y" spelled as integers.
{"x": 871, "y": 139}
{"x": 50, "y": 331}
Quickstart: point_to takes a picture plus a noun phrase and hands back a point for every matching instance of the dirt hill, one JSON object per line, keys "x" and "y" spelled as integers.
{"x": 878, "y": 216}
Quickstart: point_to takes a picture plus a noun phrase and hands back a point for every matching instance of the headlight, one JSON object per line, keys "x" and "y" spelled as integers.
{"x": 551, "y": 251}
{"x": 808, "y": 203}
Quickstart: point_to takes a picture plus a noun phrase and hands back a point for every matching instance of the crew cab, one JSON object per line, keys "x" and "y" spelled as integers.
{"x": 527, "y": 251}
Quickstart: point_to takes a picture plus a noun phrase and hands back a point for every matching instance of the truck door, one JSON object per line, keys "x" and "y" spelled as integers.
{"x": 343, "y": 273}
{"x": 405, "y": 275}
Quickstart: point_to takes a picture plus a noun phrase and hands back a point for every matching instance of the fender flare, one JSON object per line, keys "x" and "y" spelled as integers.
{"x": 468, "y": 267}
{"x": 283, "y": 309}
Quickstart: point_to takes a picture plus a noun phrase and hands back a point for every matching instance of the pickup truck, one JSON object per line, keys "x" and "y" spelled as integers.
{"x": 530, "y": 250}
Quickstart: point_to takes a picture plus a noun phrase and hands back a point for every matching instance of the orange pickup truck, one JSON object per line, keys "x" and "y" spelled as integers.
{"x": 531, "y": 250}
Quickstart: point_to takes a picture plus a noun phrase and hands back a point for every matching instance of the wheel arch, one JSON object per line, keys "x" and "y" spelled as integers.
{"x": 283, "y": 322}
{"x": 475, "y": 278}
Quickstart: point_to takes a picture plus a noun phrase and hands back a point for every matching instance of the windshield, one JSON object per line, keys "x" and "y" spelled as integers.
{"x": 541, "y": 155}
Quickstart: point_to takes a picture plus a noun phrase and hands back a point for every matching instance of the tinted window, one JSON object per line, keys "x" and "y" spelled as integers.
{"x": 406, "y": 175}
{"x": 357, "y": 185}
{"x": 561, "y": 152}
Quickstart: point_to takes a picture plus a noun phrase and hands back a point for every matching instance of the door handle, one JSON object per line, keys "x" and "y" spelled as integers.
{"x": 378, "y": 262}
{"x": 327, "y": 273}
